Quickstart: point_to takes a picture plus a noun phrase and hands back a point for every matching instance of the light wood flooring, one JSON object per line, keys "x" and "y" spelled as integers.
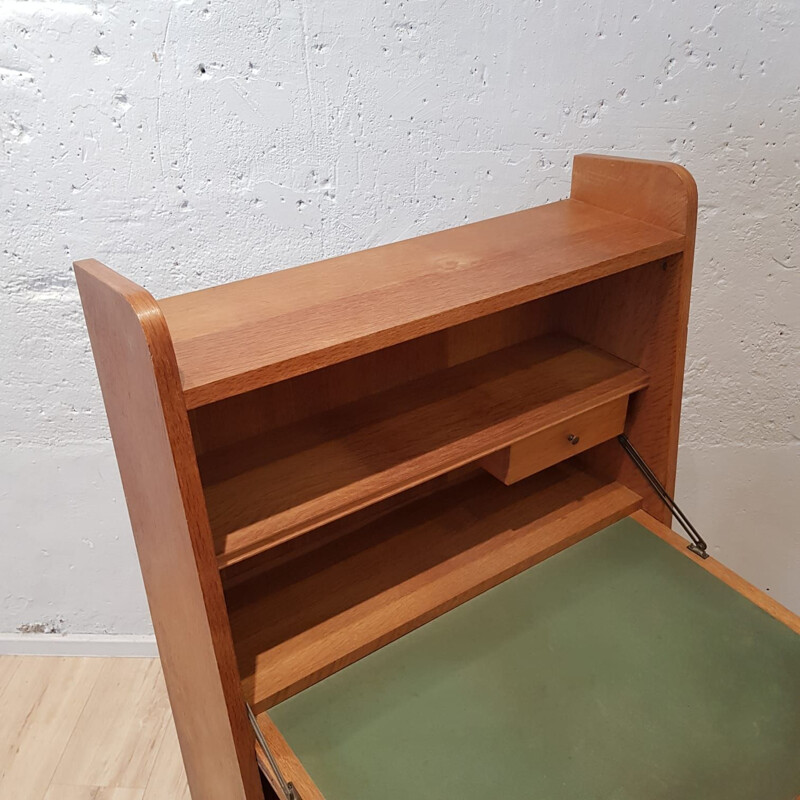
{"x": 87, "y": 729}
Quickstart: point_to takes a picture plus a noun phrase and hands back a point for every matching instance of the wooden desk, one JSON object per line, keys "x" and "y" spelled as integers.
{"x": 319, "y": 461}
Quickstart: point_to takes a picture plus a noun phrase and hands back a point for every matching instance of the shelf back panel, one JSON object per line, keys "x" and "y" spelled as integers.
{"x": 261, "y": 411}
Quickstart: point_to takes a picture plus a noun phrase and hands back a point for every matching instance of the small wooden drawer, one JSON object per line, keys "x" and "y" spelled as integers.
{"x": 558, "y": 442}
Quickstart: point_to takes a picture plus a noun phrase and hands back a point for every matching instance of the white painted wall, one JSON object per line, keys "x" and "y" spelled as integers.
{"x": 189, "y": 143}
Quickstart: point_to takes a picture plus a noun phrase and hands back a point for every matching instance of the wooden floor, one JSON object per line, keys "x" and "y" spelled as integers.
{"x": 87, "y": 729}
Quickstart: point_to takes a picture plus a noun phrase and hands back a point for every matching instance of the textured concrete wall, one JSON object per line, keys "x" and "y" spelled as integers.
{"x": 188, "y": 143}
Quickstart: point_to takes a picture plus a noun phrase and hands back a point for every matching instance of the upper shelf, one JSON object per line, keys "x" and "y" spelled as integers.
{"x": 265, "y": 490}
{"x": 240, "y": 336}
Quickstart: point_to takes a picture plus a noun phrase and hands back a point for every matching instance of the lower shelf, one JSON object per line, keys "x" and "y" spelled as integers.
{"x": 296, "y": 624}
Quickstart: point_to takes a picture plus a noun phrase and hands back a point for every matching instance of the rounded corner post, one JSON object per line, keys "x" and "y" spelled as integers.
{"x": 95, "y": 278}
{"x": 660, "y": 193}
{"x": 152, "y": 439}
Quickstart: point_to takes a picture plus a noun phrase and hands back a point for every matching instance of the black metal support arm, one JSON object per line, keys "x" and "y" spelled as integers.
{"x": 698, "y": 545}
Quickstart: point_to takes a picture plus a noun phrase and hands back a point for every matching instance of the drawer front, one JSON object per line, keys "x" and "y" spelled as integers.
{"x": 559, "y": 442}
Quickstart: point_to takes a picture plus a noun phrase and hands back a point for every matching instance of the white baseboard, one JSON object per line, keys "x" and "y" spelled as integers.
{"x": 56, "y": 644}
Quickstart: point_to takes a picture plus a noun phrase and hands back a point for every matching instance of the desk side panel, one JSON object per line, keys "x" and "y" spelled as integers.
{"x": 150, "y": 429}
{"x": 640, "y": 315}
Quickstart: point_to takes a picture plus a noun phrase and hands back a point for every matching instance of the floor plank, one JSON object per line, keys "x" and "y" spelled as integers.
{"x": 126, "y": 714}
{"x": 41, "y": 705}
{"x": 61, "y": 792}
{"x": 99, "y": 724}
{"x": 8, "y": 666}
{"x": 168, "y": 778}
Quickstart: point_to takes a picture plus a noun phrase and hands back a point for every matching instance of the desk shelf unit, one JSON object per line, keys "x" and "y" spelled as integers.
{"x": 319, "y": 460}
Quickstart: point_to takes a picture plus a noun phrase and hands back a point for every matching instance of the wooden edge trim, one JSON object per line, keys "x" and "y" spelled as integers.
{"x": 288, "y": 762}
{"x": 726, "y": 575}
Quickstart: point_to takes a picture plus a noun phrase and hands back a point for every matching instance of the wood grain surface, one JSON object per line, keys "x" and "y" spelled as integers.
{"x": 288, "y": 763}
{"x": 328, "y": 398}
{"x": 557, "y": 442}
{"x": 640, "y": 315}
{"x": 87, "y": 729}
{"x": 261, "y": 411}
{"x": 312, "y": 616}
{"x": 289, "y": 481}
{"x": 153, "y": 444}
{"x": 233, "y": 338}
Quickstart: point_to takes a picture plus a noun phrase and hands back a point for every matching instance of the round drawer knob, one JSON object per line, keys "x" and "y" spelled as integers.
{"x": 573, "y": 438}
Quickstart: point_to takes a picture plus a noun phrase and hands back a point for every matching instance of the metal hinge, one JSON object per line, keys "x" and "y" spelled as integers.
{"x": 287, "y": 788}
{"x": 698, "y": 545}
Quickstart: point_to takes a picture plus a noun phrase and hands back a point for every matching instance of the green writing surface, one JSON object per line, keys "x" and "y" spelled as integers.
{"x": 616, "y": 670}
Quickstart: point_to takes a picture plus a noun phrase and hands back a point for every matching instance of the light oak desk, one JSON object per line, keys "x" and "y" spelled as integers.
{"x": 341, "y": 476}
